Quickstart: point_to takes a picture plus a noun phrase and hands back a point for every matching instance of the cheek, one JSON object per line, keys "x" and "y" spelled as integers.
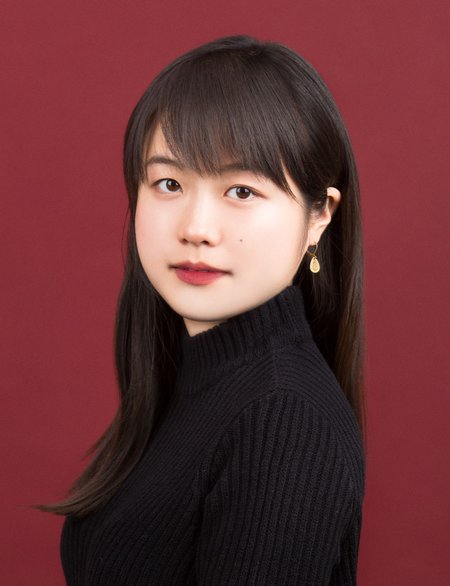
{"x": 277, "y": 234}
{"x": 149, "y": 234}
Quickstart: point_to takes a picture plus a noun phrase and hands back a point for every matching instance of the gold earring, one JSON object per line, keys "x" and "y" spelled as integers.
{"x": 314, "y": 265}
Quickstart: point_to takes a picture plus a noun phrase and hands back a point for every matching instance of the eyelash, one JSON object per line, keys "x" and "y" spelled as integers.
{"x": 156, "y": 184}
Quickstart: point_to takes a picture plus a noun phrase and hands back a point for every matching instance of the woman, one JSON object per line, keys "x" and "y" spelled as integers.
{"x": 236, "y": 455}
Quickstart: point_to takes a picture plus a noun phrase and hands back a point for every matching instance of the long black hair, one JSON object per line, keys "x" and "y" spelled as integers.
{"x": 263, "y": 105}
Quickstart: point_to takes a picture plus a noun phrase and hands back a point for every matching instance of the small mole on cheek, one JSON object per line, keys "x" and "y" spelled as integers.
{"x": 240, "y": 239}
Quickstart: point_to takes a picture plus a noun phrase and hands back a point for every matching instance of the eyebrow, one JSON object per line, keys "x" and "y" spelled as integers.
{"x": 160, "y": 160}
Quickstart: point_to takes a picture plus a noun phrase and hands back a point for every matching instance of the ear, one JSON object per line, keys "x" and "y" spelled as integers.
{"x": 320, "y": 220}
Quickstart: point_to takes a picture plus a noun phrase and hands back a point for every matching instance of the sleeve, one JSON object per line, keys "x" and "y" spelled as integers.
{"x": 279, "y": 499}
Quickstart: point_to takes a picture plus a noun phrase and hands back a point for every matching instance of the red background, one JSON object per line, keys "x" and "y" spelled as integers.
{"x": 71, "y": 73}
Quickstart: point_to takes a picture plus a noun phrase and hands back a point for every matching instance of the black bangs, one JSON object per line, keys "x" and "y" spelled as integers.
{"x": 230, "y": 108}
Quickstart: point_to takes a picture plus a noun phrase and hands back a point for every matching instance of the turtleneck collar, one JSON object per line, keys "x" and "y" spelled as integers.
{"x": 207, "y": 354}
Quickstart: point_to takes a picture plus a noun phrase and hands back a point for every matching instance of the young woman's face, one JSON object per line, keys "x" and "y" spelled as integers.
{"x": 237, "y": 222}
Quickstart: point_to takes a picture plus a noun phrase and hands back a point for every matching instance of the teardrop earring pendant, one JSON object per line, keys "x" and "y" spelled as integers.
{"x": 314, "y": 265}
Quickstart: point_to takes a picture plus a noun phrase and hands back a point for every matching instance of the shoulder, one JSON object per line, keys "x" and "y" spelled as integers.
{"x": 282, "y": 433}
{"x": 297, "y": 366}
{"x": 302, "y": 371}
{"x": 285, "y": 403}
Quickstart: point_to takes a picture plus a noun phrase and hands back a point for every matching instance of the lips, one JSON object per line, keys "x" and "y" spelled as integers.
{"x": 198, "y": 273}
{"x": 198, "y": 267}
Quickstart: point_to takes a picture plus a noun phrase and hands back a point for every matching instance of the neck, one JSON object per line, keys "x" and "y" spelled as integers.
{"x": 208, "y": 353}
{"x": 197, "y": 327}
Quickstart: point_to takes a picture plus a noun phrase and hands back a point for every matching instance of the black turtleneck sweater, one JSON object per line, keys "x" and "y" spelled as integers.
{"x": 255, "y": 476}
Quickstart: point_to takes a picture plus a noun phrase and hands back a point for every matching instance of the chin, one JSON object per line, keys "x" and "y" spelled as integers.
{"x": 202, "y": 315}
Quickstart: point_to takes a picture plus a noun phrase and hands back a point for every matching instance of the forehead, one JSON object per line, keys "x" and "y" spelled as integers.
{"x": 158, "y": 146}
{"x": 159, "y": 152}
{"x": 158, "y": 149}
{"x": 158, "y": 143}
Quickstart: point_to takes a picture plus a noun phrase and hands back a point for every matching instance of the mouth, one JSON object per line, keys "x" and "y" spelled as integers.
{"x": 193, "y": 276}
{"x": 197, "y": 268}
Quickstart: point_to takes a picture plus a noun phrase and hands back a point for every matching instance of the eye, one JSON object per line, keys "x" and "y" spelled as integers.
{"x": 170, "y": 185}
{"x": 242, "y": 192}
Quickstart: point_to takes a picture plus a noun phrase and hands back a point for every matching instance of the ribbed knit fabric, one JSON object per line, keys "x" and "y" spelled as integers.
{"x": 255, "y": 477}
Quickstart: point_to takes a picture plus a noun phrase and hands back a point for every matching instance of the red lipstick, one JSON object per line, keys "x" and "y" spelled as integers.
{"x": 197, "y": 273}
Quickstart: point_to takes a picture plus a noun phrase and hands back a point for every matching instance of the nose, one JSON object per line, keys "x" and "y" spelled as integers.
{"x": 199, "y": 220}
